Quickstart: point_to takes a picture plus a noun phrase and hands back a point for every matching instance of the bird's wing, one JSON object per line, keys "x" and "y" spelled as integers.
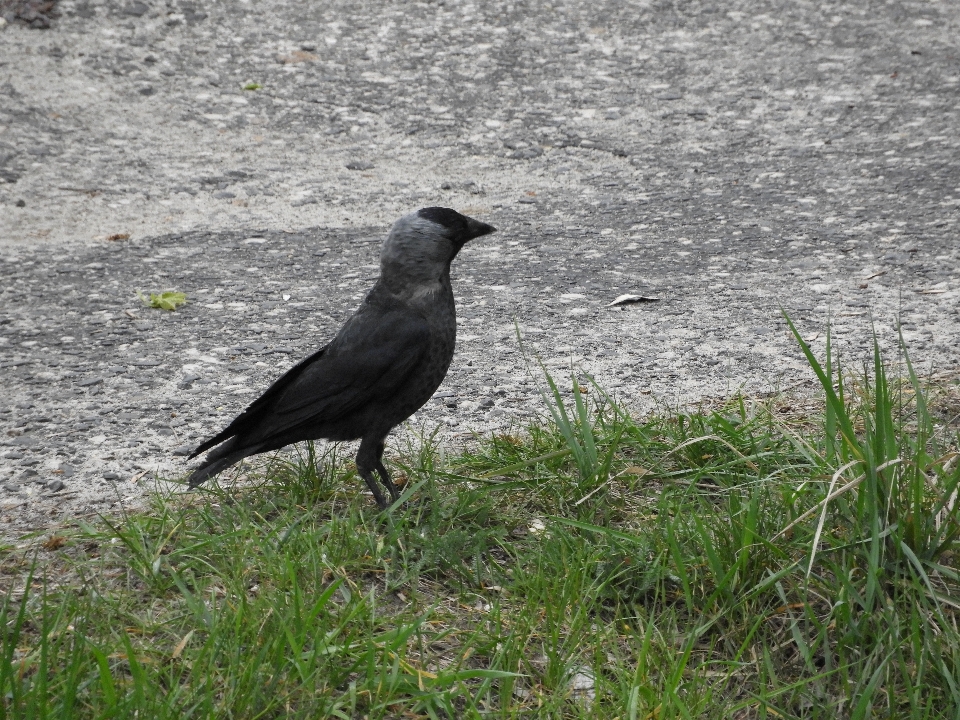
{"x": 370, "y": 358}
{"x": 255, "y": 408}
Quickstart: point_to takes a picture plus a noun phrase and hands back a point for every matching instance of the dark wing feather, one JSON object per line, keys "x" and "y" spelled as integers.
{"x": 370, "y": 358}
{"x": 254, "y": 409}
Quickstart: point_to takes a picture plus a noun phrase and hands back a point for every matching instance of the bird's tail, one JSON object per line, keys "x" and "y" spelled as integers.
{"x": 217, "y": 461}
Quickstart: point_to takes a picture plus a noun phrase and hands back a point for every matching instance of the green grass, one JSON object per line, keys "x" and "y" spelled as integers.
{"x": 785, "y": 558}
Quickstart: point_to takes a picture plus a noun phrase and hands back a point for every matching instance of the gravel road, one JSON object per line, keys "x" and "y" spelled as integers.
{"x": 729, "y": 159}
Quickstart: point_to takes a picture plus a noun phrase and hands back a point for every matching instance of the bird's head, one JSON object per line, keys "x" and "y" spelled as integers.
{"x": 421, "y": 245}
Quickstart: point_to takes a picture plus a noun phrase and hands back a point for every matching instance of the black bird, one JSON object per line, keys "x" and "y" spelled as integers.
{"x": 383, "y": 365}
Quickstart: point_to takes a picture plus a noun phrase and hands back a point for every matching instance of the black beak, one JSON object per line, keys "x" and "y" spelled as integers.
{"x": 476, "y": 229}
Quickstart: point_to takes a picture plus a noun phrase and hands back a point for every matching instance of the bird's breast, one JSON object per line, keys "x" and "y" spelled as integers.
{"x": 440, "y": 313}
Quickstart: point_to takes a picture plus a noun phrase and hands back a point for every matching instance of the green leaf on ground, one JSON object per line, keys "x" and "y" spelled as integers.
{"x": 167, "y": 300}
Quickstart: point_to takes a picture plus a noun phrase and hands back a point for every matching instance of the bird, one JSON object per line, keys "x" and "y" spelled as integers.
{"x": 381, "y": 367}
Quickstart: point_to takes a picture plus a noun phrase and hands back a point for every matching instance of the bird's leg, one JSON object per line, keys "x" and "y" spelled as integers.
{"x": 368, "y": 461}
{"x": 371, "y": 482}
{"x": 384, "y": 475}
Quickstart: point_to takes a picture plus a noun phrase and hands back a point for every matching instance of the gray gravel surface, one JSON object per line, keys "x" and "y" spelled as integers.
{"x": 728, "y": 159}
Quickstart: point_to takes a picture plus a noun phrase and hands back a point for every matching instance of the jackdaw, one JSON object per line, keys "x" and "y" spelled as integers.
{"x": 383, "y": 365}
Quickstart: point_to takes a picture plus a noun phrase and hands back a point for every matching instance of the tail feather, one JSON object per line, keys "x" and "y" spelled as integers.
{"x": 208, "y": 470}
{"x": 219, "y": 460}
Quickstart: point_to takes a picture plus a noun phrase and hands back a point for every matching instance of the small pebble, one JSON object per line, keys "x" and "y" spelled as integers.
{"x": 136, "y": 9}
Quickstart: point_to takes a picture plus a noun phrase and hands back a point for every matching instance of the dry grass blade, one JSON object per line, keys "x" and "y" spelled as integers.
{"x": 823, "y": 514}
{"x": 178, "y": 650}
{"x": 852, "y": 484}
{"x": 592, "y": 492}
